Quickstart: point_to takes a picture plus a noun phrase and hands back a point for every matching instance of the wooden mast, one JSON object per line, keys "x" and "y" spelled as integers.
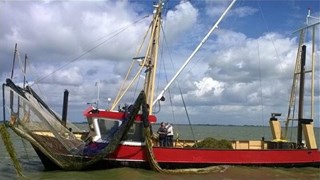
{"x": 297, "y": 73}
{"x": 148, "y": 62}
{"x": 151, "y": 57}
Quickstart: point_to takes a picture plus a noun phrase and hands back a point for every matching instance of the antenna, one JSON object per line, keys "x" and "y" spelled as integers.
{"x": 98, "y": 93}
{"x": 310, "y": 17}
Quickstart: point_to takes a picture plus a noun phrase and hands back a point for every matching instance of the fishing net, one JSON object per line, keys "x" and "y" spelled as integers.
{"x": 33, "y": 120}
{"x": 152, "y": 159}
{"x": 11, "y": 151}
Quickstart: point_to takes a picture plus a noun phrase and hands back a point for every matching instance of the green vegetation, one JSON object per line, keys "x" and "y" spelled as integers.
{"x": 212, "y": 143}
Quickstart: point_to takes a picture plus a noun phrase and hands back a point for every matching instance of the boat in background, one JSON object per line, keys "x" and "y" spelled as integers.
{"x": 122, "y": 137}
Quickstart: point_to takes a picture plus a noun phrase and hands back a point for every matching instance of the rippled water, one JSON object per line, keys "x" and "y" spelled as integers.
{"x": 33, "y": 169}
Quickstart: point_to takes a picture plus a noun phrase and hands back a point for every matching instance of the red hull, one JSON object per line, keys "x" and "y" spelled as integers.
{"x": 215, "y": 157}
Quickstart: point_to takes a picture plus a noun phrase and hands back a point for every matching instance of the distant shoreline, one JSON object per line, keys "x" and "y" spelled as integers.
{"x": 222, "y": 125}
{"x": 228, "y": 125}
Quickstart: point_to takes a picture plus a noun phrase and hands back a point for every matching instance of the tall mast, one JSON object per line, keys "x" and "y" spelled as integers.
{"x": 297, "y": 72}
{"x": 147, "y": 62}
{"x": 151, "y": 57}
{"x": 296, "y": 75}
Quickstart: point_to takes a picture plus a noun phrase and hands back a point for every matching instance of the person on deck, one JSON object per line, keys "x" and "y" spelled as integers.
{"x": 169, "y": 135}
{"x": 162, "y": 131}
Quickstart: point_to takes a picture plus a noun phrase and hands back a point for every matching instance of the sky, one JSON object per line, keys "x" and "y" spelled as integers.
{"x": 241, "y": 74}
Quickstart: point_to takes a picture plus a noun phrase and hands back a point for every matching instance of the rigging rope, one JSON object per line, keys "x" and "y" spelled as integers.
{"x": 185, "y": 108}
{"x": 122, "y": 91}
{"x": 115, "y": 33}
{"x": 177, "y": 82}
{"x": 260, "y": 85}
{"x": 272, "y": 39}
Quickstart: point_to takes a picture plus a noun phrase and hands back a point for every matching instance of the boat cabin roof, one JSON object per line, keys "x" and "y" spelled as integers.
{"x": 116, "y": 115}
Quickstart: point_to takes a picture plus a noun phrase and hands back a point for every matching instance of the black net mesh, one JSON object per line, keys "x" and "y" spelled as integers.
{"x": 33, "y": 120}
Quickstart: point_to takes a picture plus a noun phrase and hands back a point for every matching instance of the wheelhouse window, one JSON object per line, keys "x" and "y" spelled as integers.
{"x": 108, "y": 127}
{"x": 105, "y": 128}
{"x": 135, "y": 133}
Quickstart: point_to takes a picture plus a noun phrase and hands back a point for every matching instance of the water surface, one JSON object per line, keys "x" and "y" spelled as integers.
{"x": 33, "y": 169}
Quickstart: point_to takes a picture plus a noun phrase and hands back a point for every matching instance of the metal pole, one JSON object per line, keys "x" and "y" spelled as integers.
{"x": 301, "y": 95}
{"x": 14, "y": 59}
{"x": 25, "y": 70}
{"x": 194, "y": 52}
{"x": 98, "y": 95}
{"x": 65, "y": 107}
{"x": 312, "y": 70}
{"x": 3, "y": 104}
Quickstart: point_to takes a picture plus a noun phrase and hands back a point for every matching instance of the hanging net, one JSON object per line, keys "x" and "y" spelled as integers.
{"x": 154, "y": 165}
{"x": 33, "y": 120}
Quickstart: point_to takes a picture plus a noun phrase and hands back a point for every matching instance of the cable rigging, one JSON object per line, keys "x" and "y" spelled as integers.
{"x": 112, "y": 35}
{"x": 177, "y": 82}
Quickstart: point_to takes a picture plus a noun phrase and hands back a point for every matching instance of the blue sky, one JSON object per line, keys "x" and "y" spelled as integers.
{"x": 277, "y": 15}
{"x": 241, "y": 75}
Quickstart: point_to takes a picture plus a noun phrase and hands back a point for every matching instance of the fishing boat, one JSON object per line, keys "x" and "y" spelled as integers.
{"x": 122, "y": 135}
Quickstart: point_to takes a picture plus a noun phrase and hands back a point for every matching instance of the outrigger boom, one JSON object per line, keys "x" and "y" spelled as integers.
{"x": 193, "y": 53}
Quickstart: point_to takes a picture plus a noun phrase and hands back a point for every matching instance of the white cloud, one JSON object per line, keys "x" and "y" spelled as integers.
{"x": 182, "y": 18}
{"x": 66, "y": 29}
{"x": 208, "y": 84}
{"x": 228, "y": 38}
{"x": 216, "y": 8}
{"x": 236, "y": 77}
{"x": 244, "y": 11}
